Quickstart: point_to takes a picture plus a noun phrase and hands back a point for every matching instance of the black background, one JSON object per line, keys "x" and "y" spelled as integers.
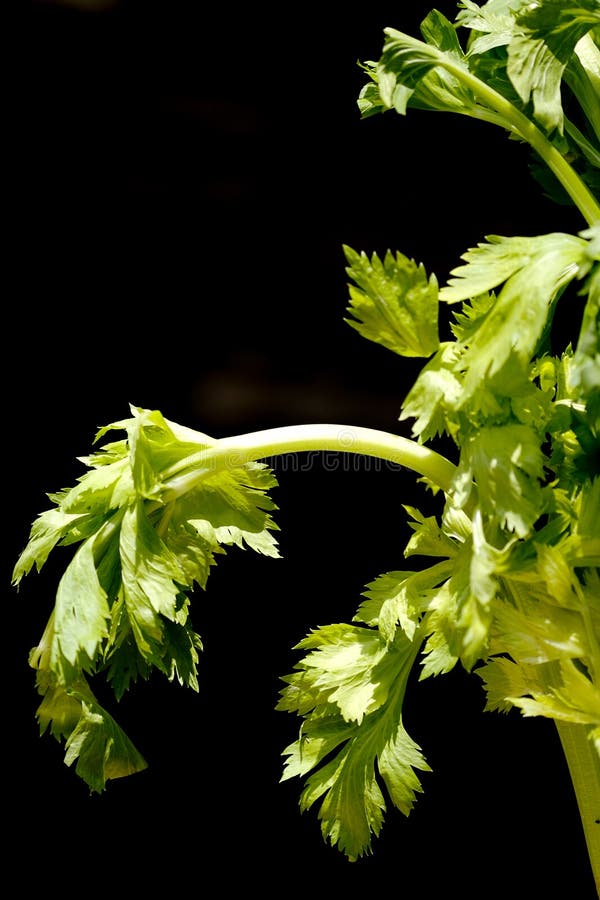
{"x": 186, "y": 177}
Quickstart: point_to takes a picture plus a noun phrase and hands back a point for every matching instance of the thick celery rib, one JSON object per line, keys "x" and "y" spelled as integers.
{"x": 235, "y": 451}
{"x": 584, "y": 767}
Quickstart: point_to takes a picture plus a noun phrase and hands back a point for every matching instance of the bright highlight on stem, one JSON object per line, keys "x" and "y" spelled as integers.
{"x": 584, "y": 768}
{"x": 235, "y": 451}
{"x": 514, "y": 120}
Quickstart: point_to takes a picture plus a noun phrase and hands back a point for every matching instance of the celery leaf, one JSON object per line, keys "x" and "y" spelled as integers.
{"x": 123, "y": 604}
{"x": 349, "y": 689}
{"x": 393, "y": 303}
{"x": 541, "y": 46}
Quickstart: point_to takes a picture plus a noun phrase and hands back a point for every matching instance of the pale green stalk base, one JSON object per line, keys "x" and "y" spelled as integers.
{"x": 584, "y": 767}
{"x": 232, "y": 452}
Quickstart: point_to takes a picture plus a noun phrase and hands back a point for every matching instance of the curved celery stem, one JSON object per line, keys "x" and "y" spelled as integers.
{"x": 506, "y": 114}
{"x": 235, "y": 451}
{"x": 517, "y": 122}
{"x": 584, "y": 768}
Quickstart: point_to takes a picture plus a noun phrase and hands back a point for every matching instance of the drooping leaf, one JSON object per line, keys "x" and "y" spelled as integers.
{"x": 48, "y": 529}
{"x": 364, "y": 726}
{"x": 122, "y": 606}
{"x": 339, "y": 671}
{"x": 81, "y": 613}
{"x": 99, "y": 748}
{"x": 461, "y": 613}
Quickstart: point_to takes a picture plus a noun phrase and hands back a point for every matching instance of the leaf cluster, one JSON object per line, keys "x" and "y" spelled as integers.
{"x": 509, "y": 585}
{"x": 123, "y": 603}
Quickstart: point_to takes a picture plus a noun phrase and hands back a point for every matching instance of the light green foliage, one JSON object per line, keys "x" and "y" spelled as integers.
{"x": 122, "y": 605}
{"x": 350, "y": 688}
{"x": 393, "y": 303}
{"x": 520, "y": 63}
{"x": 539, "y": 41}
{"x": 551, "y": 259}
{"x": 515, "y": 583}
{"x": 509, "y": 585}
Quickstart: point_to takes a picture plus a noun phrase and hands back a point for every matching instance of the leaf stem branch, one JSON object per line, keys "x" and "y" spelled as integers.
{"x": 233, "y": 452}
{"x": 519, "y": 124}
{"x": 506, "y": 113}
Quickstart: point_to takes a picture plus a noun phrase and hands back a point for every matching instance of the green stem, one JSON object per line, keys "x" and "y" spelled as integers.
{"x": 233, "y": 452}
{"x": 520, "y": 125}
{"x": 584, "y": 768}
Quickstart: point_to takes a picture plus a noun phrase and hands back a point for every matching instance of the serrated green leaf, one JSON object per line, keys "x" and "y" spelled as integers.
{"x": 456, "y": 524}
{"x": 81, "y": 614}
{"x": 399, "y": 598}
{"x": 181, "y": 651}
{"x": 461, "y": 611}
{"x": 394, "y": 303}
{"x": 397, "y": 763}
{"x": 353, "y": 803}
{"x": 103, "y": 488}
{"x": 435, "y": 394}
{"x": 109, "y": 453}
{"x": 319, "y": 736}
{"x": 339, "y": 671}
{"x": 557, "y": 690}
{"x": 574, "y": 699}
{"x": 233, "y": 507}
{"x": 429, "y": 539}
{"x": 440, "y": 653}
{"x": 492, "y": 24}
{"x": 47, "y": 531}
{"x": 150, "y": 590}
{"x": 498, "y": 259}
{"x": 471, "y": 316}
{"x": 194, "y": 553}
{"x": 154, "y": 446}
{"x": 507, "y": 465}
{"x": 509, "y": 335}
{"x": 59, "y": 710}
{"x": 124, "y": 663}
{"x": 555, "y": 573}
{"x": 537, "y": 632}
{"x": 504, "y": 679}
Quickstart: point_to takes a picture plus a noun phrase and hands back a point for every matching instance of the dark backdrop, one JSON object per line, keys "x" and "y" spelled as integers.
{"x": 187, "y": 174}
